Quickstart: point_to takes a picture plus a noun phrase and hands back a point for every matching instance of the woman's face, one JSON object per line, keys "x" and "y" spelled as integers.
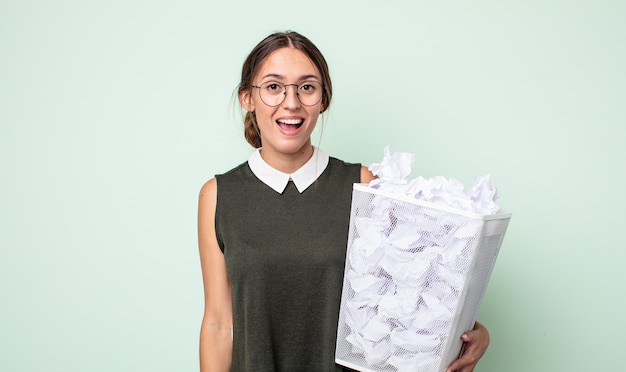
{"x": 286, "y": 128}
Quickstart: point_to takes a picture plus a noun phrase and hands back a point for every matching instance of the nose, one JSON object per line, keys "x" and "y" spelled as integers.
{"x": 291, "y": 101}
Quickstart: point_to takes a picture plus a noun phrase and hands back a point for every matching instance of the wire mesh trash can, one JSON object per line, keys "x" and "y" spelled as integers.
{"x": 415, "y": 276}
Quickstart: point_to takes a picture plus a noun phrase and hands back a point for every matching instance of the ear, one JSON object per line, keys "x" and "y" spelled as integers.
{"x": 324, "y": 104}
{"x": 245, "y": 98}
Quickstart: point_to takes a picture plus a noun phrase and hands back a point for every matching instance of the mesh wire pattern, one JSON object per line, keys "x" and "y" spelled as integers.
{"x": 415, "y": 276}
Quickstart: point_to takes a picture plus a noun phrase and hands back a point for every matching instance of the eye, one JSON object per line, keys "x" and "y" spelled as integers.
{"x": 309, "y": 87}
{"x": 273, "y": 87}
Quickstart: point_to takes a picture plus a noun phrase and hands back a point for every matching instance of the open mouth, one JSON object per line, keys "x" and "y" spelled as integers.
{"x": 289, "y": 125}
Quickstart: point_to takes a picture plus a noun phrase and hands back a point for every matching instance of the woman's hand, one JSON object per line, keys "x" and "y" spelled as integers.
{"x": 476, "y": 342}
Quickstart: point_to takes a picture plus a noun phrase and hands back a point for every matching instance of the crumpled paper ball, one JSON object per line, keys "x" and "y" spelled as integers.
{"x": 406, "y": 265}
{"x": 393, "y": 176}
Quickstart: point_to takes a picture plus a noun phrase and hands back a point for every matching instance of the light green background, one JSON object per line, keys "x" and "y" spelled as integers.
{"x": 113, "y": 114}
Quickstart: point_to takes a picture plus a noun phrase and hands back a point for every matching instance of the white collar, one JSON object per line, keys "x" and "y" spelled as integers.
{"x": 277, "y": 180}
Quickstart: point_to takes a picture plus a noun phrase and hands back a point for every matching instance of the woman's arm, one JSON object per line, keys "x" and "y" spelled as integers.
{"x": 366, "y": 175}
{"x": 216, "y": 332}
{"x": 476, "y": 342}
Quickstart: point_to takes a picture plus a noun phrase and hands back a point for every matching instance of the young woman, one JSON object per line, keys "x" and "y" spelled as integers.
{"x": 273, "y": 231}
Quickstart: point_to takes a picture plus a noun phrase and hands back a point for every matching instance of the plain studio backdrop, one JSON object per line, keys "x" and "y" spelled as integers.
{"x": 114, "y": 113}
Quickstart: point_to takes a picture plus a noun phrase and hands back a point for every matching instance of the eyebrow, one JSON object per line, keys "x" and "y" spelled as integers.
{"x": 281, "y": 77}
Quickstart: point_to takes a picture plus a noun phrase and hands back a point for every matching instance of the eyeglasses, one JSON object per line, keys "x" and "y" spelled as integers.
{"x": 273, "y": 93}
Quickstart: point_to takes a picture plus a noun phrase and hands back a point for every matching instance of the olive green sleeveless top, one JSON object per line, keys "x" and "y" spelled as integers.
{"x": 285, "y": 256}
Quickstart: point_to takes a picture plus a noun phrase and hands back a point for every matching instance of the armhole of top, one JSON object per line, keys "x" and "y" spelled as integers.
{"x": 218, "y": 236}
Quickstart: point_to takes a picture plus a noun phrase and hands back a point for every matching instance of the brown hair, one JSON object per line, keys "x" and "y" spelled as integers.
{"x": 257, "y": 56}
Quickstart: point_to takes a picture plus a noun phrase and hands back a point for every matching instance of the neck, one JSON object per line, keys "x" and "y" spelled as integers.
{"x": 288, "y": 163}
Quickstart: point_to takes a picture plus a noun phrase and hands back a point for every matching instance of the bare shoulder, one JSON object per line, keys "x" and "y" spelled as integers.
{"x": 206, "y": 216}
{"x": 208, "y": 191}
{"x": 207, "y": 201}
{"x": 366, "y": 175}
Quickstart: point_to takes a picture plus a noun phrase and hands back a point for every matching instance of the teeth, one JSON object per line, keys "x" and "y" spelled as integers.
{"x": 290, "y": 121}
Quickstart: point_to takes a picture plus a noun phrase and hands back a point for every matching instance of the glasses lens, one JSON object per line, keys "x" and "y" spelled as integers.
{"x": 272, "y": 93}
{"x": 309, "y": 93}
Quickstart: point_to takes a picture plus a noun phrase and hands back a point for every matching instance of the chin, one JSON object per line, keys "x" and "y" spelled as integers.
{"x": 291, "y": 147}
